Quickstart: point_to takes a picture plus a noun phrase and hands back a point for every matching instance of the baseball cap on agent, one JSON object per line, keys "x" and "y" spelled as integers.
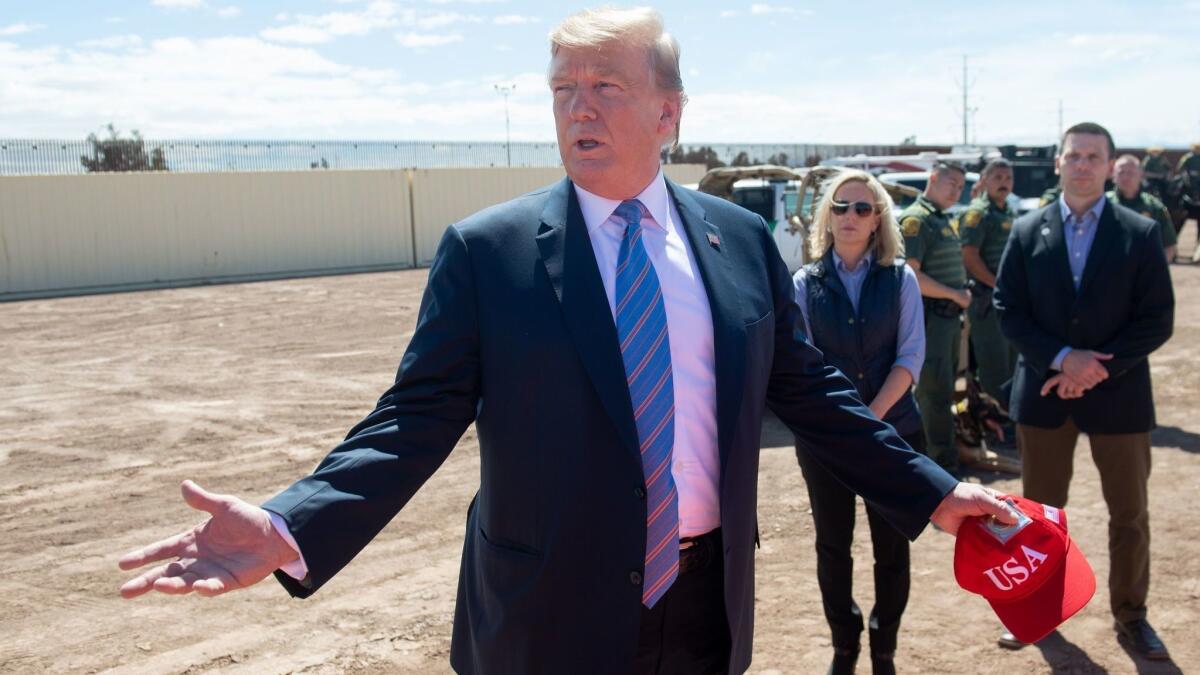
{"x": 1032, "y": 573}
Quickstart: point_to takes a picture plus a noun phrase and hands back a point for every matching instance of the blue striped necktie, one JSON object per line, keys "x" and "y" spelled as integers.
{"x": 646, "y": 351}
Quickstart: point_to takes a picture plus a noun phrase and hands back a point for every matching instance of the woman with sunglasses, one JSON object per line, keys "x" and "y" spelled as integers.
{"x": 862, "y": 306}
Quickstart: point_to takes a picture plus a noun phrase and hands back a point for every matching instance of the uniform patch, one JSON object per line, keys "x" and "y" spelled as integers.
{"x": 911, "y": 226}
{"x": 1006, "y": 225}
{"x": 972, "y": 218}
{"x": 1147, "y": 214}
{"x": 946, "y": 232}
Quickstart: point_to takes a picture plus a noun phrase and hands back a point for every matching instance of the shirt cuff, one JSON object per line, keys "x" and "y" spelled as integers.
{"x": 297, "y": 569}
{"x": 1056, "y": 364}
{"x": 912, "y": 365}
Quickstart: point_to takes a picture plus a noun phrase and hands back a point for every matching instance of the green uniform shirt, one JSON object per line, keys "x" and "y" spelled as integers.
{"x": 1156, "y": 167}
{"x": 1050, "y": 195}
{"x": 932, "y": 240}
{"x": 1148, "y": 205}
{"x": 986, "y": 226}
{"x": 1189, "y": 168}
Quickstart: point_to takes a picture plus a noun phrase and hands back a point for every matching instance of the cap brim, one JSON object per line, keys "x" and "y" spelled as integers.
{"x": 1036, "y": 615}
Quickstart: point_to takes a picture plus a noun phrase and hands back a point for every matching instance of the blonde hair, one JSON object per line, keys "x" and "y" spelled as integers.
{"x": 630, "y": 27}
{"x": 886, "y": 243}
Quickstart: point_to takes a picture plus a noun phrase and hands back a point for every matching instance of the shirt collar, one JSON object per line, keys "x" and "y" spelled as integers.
{"x": 656, "y": 199}
{"x": 1094, "y": 211}
{"x": 929, "y": 204}
{"x": 863, "y": 264}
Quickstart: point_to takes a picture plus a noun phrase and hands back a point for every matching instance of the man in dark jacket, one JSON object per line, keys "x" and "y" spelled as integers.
{"x": 1085, "y": 294}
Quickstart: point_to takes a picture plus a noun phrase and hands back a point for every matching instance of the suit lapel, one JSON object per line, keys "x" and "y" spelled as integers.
{"x": 1104, "y": 243}
{"x": 570, "y": 263}
{"x": 1055, "y": 241}
{"x": 729, "y": 336}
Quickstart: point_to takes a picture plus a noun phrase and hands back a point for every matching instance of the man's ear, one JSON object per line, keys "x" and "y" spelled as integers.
{"x": 668, "y": 114}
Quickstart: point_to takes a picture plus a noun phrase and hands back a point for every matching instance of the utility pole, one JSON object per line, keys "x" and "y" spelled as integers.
{"x": 505, "y": 90}
{"x": 1060, "y": 119}
{"x": 967, "y": 111}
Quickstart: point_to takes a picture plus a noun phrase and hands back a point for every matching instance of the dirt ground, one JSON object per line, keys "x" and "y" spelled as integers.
{"x": 108, "y": 402}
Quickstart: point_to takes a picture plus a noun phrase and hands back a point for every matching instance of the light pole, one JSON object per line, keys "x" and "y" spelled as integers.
{"x": 505, "y": 90}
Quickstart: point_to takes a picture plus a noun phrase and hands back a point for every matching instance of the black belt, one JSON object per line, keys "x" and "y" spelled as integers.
{"x": 700, "y": 551}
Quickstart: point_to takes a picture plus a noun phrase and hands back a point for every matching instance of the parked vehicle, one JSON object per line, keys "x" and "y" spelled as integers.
{"x": 784, "y": 197}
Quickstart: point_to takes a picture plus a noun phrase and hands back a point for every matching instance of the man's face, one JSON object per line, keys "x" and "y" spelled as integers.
{"x": 612, "y": 121}
{"x": 1128, "y": 177}
{"x": 999, "y": 184}
{"x": 1084, "y": 163}
{"x": 945, "y": 188}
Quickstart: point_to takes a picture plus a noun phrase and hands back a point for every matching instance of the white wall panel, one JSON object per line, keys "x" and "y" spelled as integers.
{"x": 71, "y": 234}
{"x": 63, "y": 234}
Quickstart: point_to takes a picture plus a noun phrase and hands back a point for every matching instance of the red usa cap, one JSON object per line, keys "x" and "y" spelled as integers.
{"x": 1031, "y": 573}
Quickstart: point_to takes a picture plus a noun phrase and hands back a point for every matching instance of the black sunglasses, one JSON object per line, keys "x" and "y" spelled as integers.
{"x": 861, "y": 209}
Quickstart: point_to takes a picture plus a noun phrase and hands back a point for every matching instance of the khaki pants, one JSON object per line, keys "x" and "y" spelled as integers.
{"x": 1047, "y": 459}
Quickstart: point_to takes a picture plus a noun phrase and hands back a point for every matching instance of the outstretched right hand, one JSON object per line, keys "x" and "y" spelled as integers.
{"x": 234, "y": 548}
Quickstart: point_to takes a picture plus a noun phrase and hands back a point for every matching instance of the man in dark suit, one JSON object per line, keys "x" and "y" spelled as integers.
{"x": 1084, "y": 293}
{"x": 616, "y": 340}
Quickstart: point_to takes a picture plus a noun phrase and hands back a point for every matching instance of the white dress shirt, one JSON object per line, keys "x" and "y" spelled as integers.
{"x": 696, "y": 465}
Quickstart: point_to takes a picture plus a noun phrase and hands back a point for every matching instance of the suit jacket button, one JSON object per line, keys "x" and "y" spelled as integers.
{"x": 635, "y": 578}
{"x": 639, "y": 492}
{"x": 1075, "y": 320}
{"x": 860, "y": 376}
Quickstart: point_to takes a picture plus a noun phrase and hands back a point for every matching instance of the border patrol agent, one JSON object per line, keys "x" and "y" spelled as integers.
{"x": 984, "y": 229}
{"x": 1127, "y": 176}
{"x": 1157, "y": 169}
{"x": 934, "y": 252}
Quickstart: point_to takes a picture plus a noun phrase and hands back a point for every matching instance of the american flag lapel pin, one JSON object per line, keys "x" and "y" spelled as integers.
{"x": 714, "y": 240}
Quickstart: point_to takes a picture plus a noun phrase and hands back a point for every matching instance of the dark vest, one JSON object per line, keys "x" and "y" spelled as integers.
{"x": 862, "y": 345}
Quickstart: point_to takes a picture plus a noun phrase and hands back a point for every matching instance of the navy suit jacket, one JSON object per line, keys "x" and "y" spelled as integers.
{"x": 515, "y": 334}
{"x": 1124, "y": 306}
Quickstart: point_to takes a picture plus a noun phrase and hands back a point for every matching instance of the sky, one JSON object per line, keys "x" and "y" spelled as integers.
{"x": 755, "y": 72}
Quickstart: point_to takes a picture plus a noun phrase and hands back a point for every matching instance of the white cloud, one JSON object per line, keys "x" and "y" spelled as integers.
{"x": 514, "y": 19}
{"x": 225, "y": 87}
{"x": 114, "y": 19}
{"x": 296, "y": 34}
{"x": 229, "y": 12}
{"x": 418, "y": 40}
{"x": 759, "y": 9}
{"x": 314, "y": 29}
{"x": 728, "y": 13}
{"x": 320, "y": 28}
{"x": 113, "y": 42}
{"x": 20, "y": 28}
{"x": 1017, "y": 86}
{"x": 441, "y": 20}
{"x": 178, "y": 4}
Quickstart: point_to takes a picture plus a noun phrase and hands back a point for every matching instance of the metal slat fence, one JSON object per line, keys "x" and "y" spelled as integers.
{"x": 63, "y": 157}
{"x": 67, "y": 157}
